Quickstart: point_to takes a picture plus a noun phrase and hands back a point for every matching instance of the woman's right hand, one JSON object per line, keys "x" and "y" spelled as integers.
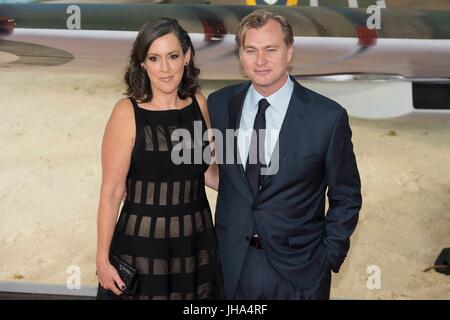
{"x": 109, "y": 278}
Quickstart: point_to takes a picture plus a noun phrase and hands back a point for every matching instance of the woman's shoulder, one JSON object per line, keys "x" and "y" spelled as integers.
{"x": 124, "y": 103}
{"x": 200, "y": 97}
{"x": 123, "y": 106}
{"x": 121, "y": 121}
{"x": 123, "y": 111}
{"x": 203, "y": 107}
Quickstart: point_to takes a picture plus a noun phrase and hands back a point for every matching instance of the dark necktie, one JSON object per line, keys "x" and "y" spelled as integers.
{"x": 253, "y": 170}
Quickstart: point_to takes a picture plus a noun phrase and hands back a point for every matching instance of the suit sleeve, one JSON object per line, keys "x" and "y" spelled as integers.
{"x": 344, "y": 192}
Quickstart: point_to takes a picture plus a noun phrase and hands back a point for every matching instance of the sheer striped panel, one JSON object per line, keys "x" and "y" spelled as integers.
{"x": 165, "y": 227}
{"x": 164, "y": 193}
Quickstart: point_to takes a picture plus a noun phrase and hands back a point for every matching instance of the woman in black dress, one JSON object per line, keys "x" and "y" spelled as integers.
{"x": 165, "y": 228}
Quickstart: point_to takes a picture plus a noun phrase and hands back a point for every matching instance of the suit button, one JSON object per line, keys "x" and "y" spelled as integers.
{"x": 247, "y": 238}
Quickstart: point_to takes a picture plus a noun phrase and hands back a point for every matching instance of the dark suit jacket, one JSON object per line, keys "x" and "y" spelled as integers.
{"x": 288, "y": 213}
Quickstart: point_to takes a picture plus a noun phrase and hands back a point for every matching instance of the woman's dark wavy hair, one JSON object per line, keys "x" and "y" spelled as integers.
{"x": 136, "y": 78}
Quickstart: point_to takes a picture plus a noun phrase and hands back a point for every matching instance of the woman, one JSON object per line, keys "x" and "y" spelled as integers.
{"x": 165, "y": 227}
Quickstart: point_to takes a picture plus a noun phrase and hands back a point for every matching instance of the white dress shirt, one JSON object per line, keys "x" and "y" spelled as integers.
{"x": 275, "y": 113}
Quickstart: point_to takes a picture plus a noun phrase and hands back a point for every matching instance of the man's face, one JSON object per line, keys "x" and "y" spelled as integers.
{"x": 265, "y": 57}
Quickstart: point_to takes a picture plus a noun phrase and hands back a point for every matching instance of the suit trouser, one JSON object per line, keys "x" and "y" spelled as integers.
{"x": 259, "y": 281}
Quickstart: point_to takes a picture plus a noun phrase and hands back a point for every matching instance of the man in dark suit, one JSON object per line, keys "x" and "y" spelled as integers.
{"x": 275, "y": 241}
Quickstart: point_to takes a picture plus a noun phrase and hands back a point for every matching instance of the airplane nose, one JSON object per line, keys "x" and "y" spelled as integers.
{"x": 6, "y": 26}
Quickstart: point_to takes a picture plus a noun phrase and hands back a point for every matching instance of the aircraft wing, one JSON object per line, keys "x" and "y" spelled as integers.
{"x": 334, "y": 43}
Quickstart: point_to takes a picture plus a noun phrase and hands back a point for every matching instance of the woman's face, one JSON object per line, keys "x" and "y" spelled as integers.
{"x": 165, "y": 63}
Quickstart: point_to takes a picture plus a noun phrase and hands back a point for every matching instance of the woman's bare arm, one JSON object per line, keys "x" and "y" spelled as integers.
{"x": 117, "y": 146}
{"x": 212, "y": 174}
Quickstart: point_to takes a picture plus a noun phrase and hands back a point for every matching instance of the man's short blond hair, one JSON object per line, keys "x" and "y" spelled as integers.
{"x": 259, "y": 18}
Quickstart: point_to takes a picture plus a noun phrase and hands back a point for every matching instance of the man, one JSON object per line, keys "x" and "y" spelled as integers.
{"x": 274, "y": 239}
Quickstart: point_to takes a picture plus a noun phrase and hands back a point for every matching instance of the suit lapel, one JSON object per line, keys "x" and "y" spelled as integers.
{"x": 295, "y": 118}
{"x": 235, "y": 105}
{"x": 293, "y": 123}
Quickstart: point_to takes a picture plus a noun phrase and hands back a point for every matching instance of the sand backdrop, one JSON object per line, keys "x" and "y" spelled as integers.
{"x": 50, "y": 134}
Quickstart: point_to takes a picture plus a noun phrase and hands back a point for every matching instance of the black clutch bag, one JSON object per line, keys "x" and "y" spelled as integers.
{"x": 127, "y": 273}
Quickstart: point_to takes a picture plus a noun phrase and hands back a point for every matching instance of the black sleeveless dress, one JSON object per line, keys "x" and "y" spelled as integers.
{"x": 165, "y": 228}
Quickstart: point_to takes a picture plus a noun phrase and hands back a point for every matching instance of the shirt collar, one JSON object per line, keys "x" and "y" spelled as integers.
{"x": 278, "y": 100}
